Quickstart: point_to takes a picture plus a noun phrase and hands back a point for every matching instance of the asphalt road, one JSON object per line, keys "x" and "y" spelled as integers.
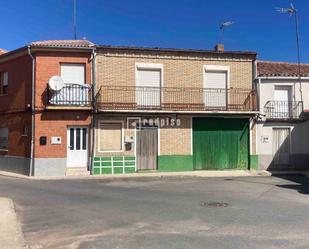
{"x": 255, "y": 212}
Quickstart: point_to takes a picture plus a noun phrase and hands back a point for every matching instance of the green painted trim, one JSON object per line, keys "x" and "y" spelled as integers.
{"x": 174, "y": 163}
{"x": 116, "y": 164}
{"x": 254, "y": 162}
{"x": 96, "y": 171}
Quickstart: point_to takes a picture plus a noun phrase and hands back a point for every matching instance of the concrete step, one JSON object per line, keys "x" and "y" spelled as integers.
{"x": 83, "y": 171}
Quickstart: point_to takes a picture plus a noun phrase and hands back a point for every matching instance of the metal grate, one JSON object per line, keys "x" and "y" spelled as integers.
{"x": 214, "y": 204}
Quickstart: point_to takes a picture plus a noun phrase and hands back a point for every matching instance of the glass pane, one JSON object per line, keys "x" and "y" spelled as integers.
{"x": 71, "y": 138}
{"x": 78, "y": 138}
{"x": 84, "y": 138}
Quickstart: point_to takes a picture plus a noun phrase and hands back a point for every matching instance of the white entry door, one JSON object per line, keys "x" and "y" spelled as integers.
{"x": 77, "y": 141}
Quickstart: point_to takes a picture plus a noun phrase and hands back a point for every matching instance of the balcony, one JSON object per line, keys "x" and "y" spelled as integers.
{"x": 283, "y": 110}
{"x": 71, "y": 96}
{"x": 175, "y": 99}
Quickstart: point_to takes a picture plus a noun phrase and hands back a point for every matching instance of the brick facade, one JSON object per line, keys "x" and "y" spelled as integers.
{"x": 118, "y": 69}
{"x": 16, "y": 105}
{"x": 55, "y": 122}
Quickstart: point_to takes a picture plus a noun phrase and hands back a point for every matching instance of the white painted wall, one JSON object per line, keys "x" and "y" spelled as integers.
{"x": 267, "y": 90}
{"x": 299, "y": 131}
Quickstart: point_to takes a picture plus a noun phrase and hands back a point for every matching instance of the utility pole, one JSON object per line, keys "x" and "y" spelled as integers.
{"x": 74, "y": 19}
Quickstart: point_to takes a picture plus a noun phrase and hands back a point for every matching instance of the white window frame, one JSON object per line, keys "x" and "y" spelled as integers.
{"x": 282, "y": 127}
{"x": 122, "y": 134}
{"x": 8, "y": 131}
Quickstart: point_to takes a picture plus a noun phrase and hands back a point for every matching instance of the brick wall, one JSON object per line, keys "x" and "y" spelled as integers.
{"x": 179, "y": 71}
{"x": 18, "y": 142}
{"x": 55, "y": 123}
{"x": 176, "y": 140}
{"x": 19, "y": 87}
{"x": 48, "y": 65}
{"x": 14, "y": 112}
{"x": 173, "y": 141}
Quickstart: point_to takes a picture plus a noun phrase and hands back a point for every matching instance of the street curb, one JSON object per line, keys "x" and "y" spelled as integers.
{"x": 202, "y": 174}
{"x": 11, "y": 235}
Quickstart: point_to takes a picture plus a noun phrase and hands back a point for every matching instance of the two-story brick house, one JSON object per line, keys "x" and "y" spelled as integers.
{"x": 283, "y": 102}
{"x": 42, "y": 131}
{"x": 174, "y": 109}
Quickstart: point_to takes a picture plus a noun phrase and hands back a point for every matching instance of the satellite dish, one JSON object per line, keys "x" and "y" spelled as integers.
{"x": 56, "y": 83}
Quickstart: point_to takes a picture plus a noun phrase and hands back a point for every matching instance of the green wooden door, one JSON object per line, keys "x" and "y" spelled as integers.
{"x": 220, "y": 143}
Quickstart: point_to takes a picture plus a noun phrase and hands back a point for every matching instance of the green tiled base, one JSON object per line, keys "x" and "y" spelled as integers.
{"x": 114, "y": 165}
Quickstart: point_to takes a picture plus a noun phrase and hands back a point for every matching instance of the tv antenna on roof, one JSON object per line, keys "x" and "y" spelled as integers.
{"x": 292, "y": 11}
{"x": 222, "y": 26}
{"x": 74, "y": 19}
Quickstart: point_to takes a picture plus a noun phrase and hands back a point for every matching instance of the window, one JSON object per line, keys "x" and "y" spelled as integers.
{"x": 110, "y": 137}
{"x": 73, "y": 73}
{"x": 148, "y": 83}
{"x": 282, "y": 104}
{"x": 4, "y": 134}
{"x": 216, "y": 81}
{"x": 4, "y": 82}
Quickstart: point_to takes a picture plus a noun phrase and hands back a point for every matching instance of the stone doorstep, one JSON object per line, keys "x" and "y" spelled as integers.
{"x": 83, "y": 171}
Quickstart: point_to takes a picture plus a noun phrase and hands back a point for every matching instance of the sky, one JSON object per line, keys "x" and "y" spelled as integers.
{"x": 160, "y": 23}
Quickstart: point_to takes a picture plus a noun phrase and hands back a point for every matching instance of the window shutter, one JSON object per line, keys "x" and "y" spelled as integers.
{"x": 149, "y": 77}
{"x": 215, "y": 79}
{"x": 110, "y": 136}
{"x": 73, "y": 73}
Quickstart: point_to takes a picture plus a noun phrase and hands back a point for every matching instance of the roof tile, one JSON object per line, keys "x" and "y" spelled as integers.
{"x": 281, "y": 69}
{"x": 63, "y": 43}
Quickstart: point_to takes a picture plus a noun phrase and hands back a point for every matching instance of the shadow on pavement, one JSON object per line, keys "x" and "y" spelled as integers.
{"x": 301, "y": 182}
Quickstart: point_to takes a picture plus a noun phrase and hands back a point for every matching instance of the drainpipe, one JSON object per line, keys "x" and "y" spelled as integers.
{"x": 32, "y": 114}
{"x": 93, "y": 113}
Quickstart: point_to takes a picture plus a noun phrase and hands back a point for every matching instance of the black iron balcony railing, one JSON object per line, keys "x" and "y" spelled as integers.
{"x": 283, "y": 109}
{"x": 175, "y": 99}
{"x": 70, "y": 95}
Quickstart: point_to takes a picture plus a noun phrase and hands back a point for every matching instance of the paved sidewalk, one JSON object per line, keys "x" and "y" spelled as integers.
{"x": 11, "y": 236}
{"x": 200, "y": 173}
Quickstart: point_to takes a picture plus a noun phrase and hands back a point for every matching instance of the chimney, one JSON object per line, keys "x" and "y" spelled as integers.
{"x": 219, "y": 48}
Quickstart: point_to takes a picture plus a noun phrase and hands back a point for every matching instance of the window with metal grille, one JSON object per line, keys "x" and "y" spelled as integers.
{"x": 4, "y": 135}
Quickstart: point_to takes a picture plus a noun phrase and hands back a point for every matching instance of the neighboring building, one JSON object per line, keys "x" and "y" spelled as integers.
{"x": 283, "y": 130}
{"x": 208, "y": 96}
{"x": 45, "y": 132}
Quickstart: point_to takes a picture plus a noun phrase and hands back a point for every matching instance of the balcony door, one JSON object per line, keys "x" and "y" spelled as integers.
{"x": 75, "y": 91}
{"x": 214, "y": 92}
{"x": 148, "y": 87}
{"x": 283, "y": 106}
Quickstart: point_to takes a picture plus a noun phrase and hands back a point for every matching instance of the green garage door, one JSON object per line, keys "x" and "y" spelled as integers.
{"x": 220, "y": 143}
